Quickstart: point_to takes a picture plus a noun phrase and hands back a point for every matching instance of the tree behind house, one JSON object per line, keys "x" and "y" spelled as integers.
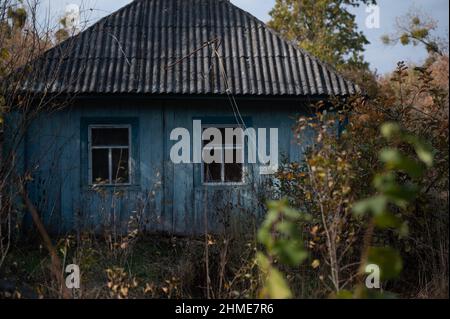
{"x": 324, "y": 28}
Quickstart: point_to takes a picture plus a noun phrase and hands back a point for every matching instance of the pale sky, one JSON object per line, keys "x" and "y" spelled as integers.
{"x": 382, "y": 58}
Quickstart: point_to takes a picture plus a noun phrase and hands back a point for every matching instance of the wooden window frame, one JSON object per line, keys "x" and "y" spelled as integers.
{"x": 224, "y": 147}
{"x": 110, "y": 148}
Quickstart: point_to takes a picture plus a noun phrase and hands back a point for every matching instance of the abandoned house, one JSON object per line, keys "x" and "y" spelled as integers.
{"x": 136, "y": 75}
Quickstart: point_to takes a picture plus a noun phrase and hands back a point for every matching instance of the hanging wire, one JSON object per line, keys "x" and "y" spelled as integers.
{"x": 237, "y": 113}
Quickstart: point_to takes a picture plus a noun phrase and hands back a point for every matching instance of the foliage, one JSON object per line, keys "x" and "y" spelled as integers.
{"x": 416, "y": 98}
{"x": 389, "y": 190}
{"x": 119, "y": 283}
{"x": 415, "y": 28}
{"x": 324, "y": 28}
{"x": 326, "y": 185}
{"x": 344, "y": 165}
{"x": 392, "y": 194}
{"x": 282, "y": 241}
{"x": 23, "y": 37}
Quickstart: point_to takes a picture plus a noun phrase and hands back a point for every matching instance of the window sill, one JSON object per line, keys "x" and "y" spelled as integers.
{"x": 218, "y": 187}
{"x": 225, "y": 184}
{"x": 112, "y": 188}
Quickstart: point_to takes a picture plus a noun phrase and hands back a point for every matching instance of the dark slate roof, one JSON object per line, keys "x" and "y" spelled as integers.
{"x": 158, "y": 47}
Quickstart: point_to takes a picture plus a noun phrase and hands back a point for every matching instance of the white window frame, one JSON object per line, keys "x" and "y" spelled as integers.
{"x": 224, "y": 147}
{"x": 110, "y": 148}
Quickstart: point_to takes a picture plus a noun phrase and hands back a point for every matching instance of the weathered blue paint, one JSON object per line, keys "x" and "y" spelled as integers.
{"x": 168, "y": 197}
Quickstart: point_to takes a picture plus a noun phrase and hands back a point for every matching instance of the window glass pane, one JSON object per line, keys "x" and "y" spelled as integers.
{"x": 212, "y": 173}
{"x": 120, "y": 167}
{"x": 233, "y": 155}
{"x": 222, "y": 132}
{"x": 110, "y": 136}
{"x": 233, "y": 173}
{"x": 236, "y": 134}
{"x": 100, "y": 166}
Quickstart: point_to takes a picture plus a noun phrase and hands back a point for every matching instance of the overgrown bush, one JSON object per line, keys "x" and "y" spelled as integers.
{"x": 341, "y": 165}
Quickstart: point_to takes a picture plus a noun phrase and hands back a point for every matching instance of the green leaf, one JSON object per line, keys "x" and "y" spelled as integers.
{"x": 275, "y": 285}
{"x": 287, "y": 228}
{"x": 263, "y": 236}
{"x": 344, "y": 294}
{"x": 395, "y": 160}
{"x": 390, "y": 130}
{"x": 375, "y": 205}
{"x": 403, "y": 230}
{"x": 387, "y": 220}
{"x": 397, "y": 194}
{"x": 425, "y": 156}
{"x": 423, "y": 150}
{"x": 388, "y": 259}
{"x": 290, "y": 252}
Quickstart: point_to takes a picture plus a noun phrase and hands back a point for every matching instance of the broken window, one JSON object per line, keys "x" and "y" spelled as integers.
{"x": 110, "y": 155}
{"x": 224, "y": 171}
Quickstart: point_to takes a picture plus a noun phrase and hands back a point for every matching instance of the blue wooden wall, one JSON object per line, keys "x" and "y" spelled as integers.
{"x": 166, "y": 197}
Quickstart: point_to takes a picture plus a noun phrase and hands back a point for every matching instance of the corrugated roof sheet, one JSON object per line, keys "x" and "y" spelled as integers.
{"x": 159, "y": 47}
